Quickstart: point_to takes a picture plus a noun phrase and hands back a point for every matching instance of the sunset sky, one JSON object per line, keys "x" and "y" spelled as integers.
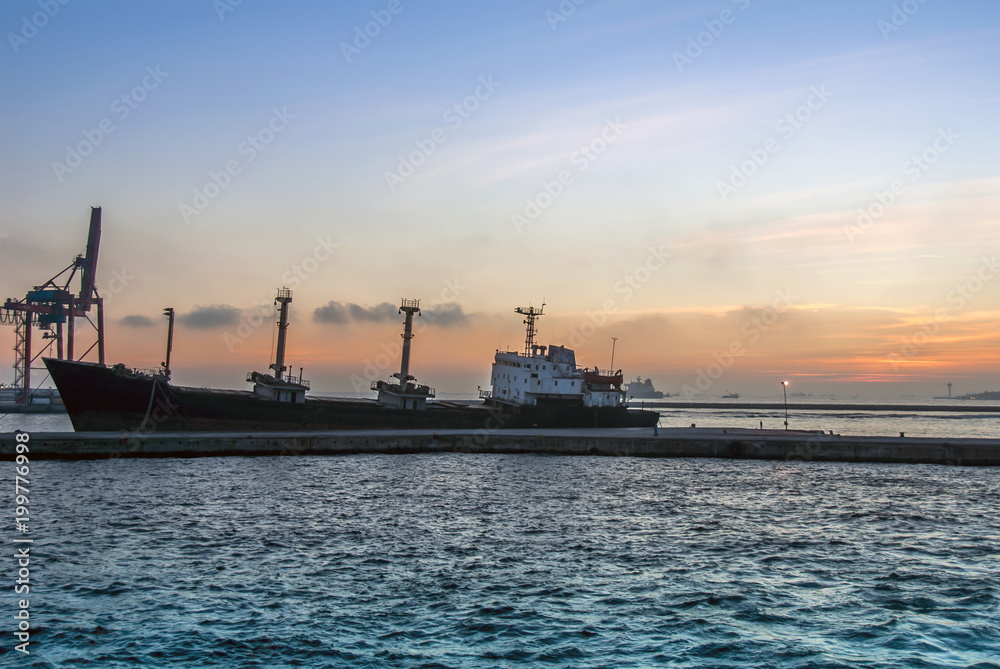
{"x": 784, "y": 190}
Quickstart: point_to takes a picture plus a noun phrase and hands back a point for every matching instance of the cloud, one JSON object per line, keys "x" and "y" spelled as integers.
{"x": 216, "y": 315}
{"x": 446, "y": 315}
{"x": 339, "y": 314}
{"x": 377, "y": 314}
{"x": 136, "y": 321}
{"x": 16, "y": 248}
{"x": 331, "y": 312}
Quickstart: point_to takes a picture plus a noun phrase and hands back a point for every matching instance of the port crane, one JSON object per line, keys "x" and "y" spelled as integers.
{"x": 54, "y": 305}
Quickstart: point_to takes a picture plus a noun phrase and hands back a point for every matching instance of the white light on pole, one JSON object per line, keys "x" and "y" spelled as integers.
{"x": 784, "y": 391}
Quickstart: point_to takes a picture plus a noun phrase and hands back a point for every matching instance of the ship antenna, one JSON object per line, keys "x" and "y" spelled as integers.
{"x": 532, "y": 314}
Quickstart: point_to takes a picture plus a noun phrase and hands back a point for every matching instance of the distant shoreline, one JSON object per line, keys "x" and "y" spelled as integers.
{"x": 913, "y": 408}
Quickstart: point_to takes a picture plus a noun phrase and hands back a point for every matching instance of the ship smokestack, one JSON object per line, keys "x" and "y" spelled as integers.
{"x": 283, "y": 298}
{"x": 408, "y": 307}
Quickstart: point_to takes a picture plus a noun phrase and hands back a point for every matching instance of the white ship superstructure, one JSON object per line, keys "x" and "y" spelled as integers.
{"x": 549, "y": 374}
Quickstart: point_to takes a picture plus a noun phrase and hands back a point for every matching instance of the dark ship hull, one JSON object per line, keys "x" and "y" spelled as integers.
{"x": 104, "y": 399}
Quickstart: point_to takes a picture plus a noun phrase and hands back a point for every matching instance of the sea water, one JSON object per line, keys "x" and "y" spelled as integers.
{"x": 460, "y": 560}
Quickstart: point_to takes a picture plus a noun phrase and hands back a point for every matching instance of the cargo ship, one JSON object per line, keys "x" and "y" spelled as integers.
{"x": 644, "y": 390}
{"x": 540, "y": 386}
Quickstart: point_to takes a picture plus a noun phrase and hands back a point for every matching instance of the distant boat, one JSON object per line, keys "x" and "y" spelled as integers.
{"x": 643, "y": 390}
{"x": 731, "y": 396}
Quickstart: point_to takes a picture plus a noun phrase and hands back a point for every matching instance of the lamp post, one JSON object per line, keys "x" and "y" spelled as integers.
{"x": 784, "y": 392}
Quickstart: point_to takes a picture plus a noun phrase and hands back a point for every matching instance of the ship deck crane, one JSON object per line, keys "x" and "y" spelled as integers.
{"x": 54, "y": 304}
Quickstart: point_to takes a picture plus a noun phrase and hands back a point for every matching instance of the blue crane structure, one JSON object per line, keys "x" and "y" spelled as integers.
{"x": 53, "y": 304}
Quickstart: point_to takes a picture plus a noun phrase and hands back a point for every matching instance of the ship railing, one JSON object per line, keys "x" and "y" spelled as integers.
{"x": 409, "y": 388}
{"x": 132, "y": 372}
{"x": 258, "y": 377}
{"x": 604, "y": 372}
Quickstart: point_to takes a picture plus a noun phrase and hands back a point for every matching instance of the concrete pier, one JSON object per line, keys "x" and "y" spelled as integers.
{"x": 630, "y": 442}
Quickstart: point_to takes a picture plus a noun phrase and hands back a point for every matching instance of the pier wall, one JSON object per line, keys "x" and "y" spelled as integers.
{"x": 669, "y": 443}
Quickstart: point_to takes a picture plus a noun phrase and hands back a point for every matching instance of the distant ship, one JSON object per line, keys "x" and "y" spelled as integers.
{"x": 643, "y": 390}
{"x": 539, "y": 387}
{"x": 731, "y": 396}
{"x": 988, "y": 395}
{"x": 40, "y": 400}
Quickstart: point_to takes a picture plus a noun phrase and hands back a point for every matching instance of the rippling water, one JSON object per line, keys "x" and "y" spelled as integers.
{"x": 453, "y": 560}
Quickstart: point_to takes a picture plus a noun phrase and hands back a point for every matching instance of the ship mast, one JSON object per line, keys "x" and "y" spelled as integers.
{"x": 169, "y": 313}
{"x": 282, "y": 299}
{"x": 529, "y": 338}
{"x": 404, "y": 395}
{"x": 408, "y": 307}
{"x": 280, "y": 388}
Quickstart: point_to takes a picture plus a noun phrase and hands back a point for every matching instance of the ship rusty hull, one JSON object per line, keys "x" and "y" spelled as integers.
{"x": 100, "y": 399}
